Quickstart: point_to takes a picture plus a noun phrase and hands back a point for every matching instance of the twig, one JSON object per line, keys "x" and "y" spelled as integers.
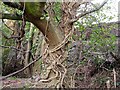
{"x": 108, "y": 84}
{"x": 81, "y": 15}
{"x": 21, "y": 69}
{"x": 114, "y": 72}
{"x": 98, "y": 53}
{"x": 11, "y": 47}
{"x": 6, "y": 25}
{"x": 114, "y": 56}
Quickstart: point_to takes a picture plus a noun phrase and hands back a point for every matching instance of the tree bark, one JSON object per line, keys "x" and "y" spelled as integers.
{"x": 27, "y": 60}
{"x": 53, "y": 37}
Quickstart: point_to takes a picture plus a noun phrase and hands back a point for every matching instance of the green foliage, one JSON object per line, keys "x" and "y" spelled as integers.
{"x": 57, "y": 9}
{"x": 101, "y": 80}
{"x": 101, "y": 39}
{"x": 13, "y": 78}
{"x": 118, "y": 83}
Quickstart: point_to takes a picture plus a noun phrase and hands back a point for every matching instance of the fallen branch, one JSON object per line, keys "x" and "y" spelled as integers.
{"x": 21, "y": 69}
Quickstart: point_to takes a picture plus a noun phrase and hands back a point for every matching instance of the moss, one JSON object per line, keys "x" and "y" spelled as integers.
{"x": 35, "y": 8}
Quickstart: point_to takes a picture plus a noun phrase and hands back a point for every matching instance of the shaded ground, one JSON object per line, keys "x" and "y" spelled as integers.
{"x": 98, "y": 80}
{"x": 15, "y": 83}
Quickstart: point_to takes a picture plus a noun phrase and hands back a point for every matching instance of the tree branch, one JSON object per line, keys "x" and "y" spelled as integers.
{"x": 12, "y": 4}
{"x": 11, "y": 16}
{"x": 81, "y": 15}
{"x": 20, "y": 69}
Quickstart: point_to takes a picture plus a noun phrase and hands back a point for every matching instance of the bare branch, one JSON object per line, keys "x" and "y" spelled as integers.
{"x": 94, "y": 10}
{"x": 9, "y": 75}
{"x": 12, "y": 4}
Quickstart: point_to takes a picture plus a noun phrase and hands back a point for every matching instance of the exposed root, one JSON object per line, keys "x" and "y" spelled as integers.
{"x": 48, "y": 80}
{"x": 55, "y": 69}
{"x": 58, "y": 69}
{"x": 57, "y": 84}
{"x": 62, "y": 78}
{"x": 60, "y": 73}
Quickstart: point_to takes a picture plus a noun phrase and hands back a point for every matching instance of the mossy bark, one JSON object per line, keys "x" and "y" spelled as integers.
{"x": 53, "y": 36}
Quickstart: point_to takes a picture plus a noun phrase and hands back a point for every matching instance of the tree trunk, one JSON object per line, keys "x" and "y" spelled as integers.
{"x": 53, "y": 37}
{"x": 27, "y": 60}
{"x": 54, "y": 54}
{"x": 38, "y": 39}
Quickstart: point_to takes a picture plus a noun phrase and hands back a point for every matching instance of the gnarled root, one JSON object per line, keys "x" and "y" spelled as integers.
{"x": 56, "y": 71}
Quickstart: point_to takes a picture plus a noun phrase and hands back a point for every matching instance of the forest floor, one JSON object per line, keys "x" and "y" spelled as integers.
{"x": 102, "y": 79}
{"x": 13, "y": 82}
